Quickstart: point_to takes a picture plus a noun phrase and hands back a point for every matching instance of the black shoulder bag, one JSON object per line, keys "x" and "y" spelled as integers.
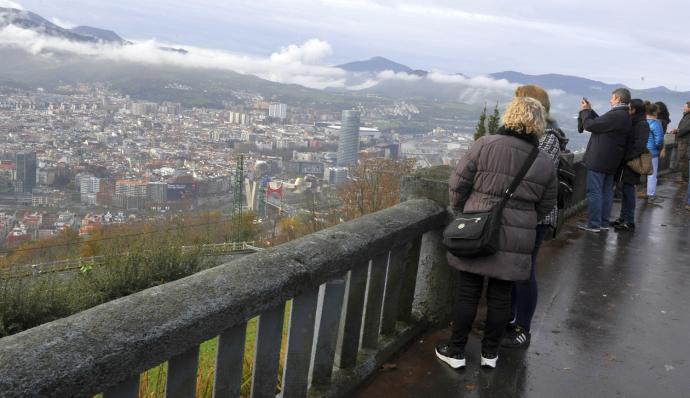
{"x": 477, "y": 234}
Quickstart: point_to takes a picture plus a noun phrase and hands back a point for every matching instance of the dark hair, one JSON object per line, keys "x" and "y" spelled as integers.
{"x": 688, "y": 104}
{"x": 638, "y": 106}
{"x": 623, "y": 94}
{"x": 651, "y": 108}
{"x": 662, "y": 107}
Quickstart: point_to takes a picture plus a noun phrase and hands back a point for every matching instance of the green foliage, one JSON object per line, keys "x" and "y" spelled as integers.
{"x": 494, "y": 120}
{"x": 152, "y": 382}
{"x": 481, "y": 126}
{"x": 29, "y": 302}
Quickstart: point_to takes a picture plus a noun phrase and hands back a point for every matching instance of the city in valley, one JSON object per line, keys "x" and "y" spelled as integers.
{"x": 86, "y": 156}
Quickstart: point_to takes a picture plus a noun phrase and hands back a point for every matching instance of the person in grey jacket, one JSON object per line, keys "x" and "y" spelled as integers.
{"x": 682, "y": 137}
{"x": 477, "y": 184}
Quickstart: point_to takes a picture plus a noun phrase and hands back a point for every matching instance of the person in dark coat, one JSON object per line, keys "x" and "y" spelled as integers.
{"x": 525, "y": 293}
{"x": 605, "y": 152}
{"x": 478, "y": 183}
{"x": 637, "y": 145}
{"x": 682, "y": 137}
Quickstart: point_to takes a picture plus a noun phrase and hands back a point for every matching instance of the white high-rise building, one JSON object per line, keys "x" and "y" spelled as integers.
{"x": 89, "y": 187}
{"x": 277, "y": 111}
{"x": 348, "y": 142}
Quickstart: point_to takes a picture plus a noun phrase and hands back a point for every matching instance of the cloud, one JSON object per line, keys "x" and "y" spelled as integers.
{"x": 369, "y": 83}
{"x": 61, "y": 23}
{"x": 381, "y": 77}
{"x": 300, "y": 64}
{"x": 294, "y": 64}
{"x": 312, "y": 50}
{"x": 390, "y": 75}
{"x": 476, "y": 82}
{"x": 10, "y": 4}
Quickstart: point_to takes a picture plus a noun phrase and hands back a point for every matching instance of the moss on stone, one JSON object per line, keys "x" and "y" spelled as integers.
{"x": 435, "y": 173}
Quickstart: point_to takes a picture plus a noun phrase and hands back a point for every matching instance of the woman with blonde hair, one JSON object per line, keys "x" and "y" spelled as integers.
{"x": 478, "y": 183}
{"x": 525, "y": 293}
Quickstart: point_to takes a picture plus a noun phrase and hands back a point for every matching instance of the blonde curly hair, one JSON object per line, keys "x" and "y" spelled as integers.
{"x": 525, "y": 115}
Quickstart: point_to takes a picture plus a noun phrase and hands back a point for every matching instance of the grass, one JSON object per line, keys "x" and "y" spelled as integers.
{"x": 152, "y": 382}
{"x": 29, "y": 302}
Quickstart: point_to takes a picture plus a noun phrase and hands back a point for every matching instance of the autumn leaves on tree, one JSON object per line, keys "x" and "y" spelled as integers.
{"x": 375, "y": 185}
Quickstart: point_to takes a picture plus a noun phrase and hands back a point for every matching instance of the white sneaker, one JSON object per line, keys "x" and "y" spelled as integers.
{"x": 455, "y": 360}
{"x": 489, "y": 360}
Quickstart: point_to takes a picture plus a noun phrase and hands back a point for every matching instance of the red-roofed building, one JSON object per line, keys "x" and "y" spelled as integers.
{"x": 8, "y": 169}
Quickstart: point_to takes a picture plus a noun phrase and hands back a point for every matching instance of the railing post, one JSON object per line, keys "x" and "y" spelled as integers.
{"x": 433, "y": 299}
{"x": 409, "y": 280}
{"x": 435, "y": 280}
{"x": 351, "y": 325}
{"x": 182, "y": 370}
{"x": 328, "y": 319}
{"x": 229, "y": 362}
{"x": 269, "y": 333}
{"x": 374, "y": 301}
{"x": 127, "y": 389}
{"x": 299, "y": 346}
{"x": 391, "y": 298}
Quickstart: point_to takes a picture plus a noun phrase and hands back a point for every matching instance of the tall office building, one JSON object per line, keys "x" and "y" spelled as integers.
{"x": 348, "y": 143}
{"x": 144, "y": 108}
{"x": 157, "y": 192}
{"x": 26, "y": 170}
{"x": 89, "y": 187}
{"x": 277, "y": 111}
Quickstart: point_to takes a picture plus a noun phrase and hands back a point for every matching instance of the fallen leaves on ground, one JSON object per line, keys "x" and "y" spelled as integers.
{"x": 389, "y": 366}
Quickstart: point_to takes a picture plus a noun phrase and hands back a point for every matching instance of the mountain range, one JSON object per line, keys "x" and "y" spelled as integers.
{"x": 369, "y": 77}
{"x": 29, "y": 20}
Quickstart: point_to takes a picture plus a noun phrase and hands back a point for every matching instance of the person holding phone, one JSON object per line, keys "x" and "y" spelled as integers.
{"x": 604, "y": 155}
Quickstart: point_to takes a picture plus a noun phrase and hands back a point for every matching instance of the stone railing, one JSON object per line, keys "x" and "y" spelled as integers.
{"x": 359, "y": 292}
{"x": 351, "y": 289}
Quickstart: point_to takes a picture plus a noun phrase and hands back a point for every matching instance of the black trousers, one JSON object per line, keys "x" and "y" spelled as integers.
{"x": 498, "y": 315}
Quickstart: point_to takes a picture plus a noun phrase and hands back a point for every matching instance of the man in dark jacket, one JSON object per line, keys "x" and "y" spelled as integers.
{"x": 682, "y": 137}
{"x": 605, "y": 153}
{"x": 637, "y": 145}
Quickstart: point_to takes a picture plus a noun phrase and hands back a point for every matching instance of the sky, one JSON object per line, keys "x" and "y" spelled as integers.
{"x": 612, "y": 41}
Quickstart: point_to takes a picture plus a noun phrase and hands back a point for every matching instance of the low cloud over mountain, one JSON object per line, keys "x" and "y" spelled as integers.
{"x": 296, "y": 63}
{"x": 302, "y": 64}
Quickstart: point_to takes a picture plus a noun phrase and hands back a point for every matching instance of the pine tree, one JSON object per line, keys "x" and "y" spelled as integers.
{"x": 494, "y": 120}
{"x": 481, "y": 126}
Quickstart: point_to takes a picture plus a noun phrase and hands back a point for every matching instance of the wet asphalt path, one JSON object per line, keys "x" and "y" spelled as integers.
{"x": 613, "y": 320}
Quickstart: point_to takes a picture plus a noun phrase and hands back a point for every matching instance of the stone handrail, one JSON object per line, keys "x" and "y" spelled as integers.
{"x": 104, "y": 349}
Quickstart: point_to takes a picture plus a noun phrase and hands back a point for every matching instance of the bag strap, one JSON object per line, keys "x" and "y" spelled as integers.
{"x": 521, "y": 174}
